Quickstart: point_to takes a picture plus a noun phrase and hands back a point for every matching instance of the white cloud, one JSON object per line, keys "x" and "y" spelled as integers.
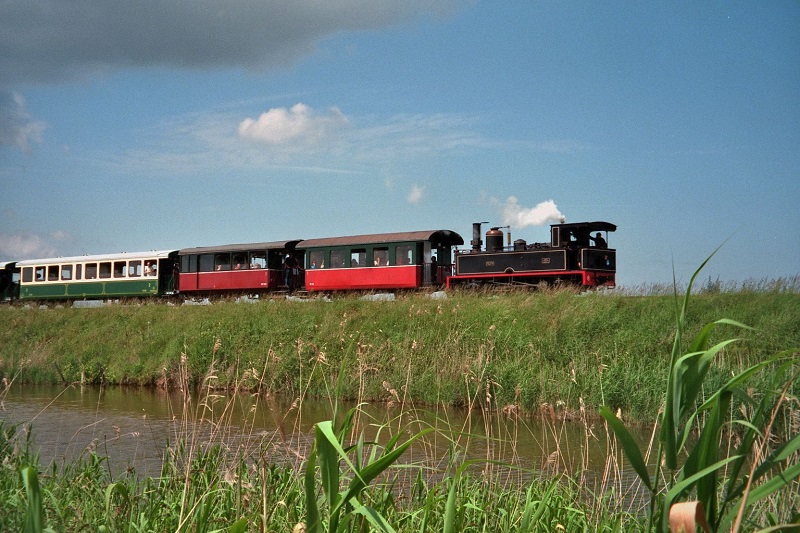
{"x": 300, "y": 123}
{"x": 30, "y": 246}
{"x": 415, "y": 195}
{"x": 17, "y": 127}
{"x": 520, "y": 217}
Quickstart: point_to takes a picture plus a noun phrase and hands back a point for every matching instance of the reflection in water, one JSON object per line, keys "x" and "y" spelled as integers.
{"x": 133, "y": 427}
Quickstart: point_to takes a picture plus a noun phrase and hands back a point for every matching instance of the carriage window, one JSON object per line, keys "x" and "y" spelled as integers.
{"x": 240, "y": 261}
{"x": 134, "y": 269}
{"x": 316, "y": 259}
{"x": 358, "y": 258}
{"x": 105, "y": 270}
{"x": 66, "y": 272}
{"x": 52, "y": 273}
{"x": 405, "y": 255}
{"x": 206, "y": 263}
{"x": 78, "y": 270}
{"x": 119, "y": 269}
{"x": 258, "y": 260}
{"x": 91, "y": 270}
{"x": 380, "y": 256}
{"x": 338, "y": 258}
{"x": 222, "y": 262}
{"x": 27, "y": 274}
{"x": 151, "y": 268}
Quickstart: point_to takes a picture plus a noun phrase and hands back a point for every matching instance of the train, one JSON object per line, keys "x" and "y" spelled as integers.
{"x": 577, "y": 254}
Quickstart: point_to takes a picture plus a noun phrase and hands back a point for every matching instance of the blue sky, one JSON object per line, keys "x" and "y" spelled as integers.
{"x": 163, "y": 125}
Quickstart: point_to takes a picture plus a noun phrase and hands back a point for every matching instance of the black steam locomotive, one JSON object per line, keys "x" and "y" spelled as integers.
{"x": 577, "y": 253}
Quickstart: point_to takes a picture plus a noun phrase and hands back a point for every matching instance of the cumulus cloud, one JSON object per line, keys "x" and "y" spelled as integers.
{"x": 50, "y": 41}
{"x": 415, "y": 195}
{"x": 17, "y": 127}
{"x": 300, "y": 123}
{"x": 520, "y": 217}
{"x": 30, "y": 246}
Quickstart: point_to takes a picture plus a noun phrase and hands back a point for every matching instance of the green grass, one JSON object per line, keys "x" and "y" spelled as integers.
{"x": 727, "y": 432}
{"x": 524, "y": 349}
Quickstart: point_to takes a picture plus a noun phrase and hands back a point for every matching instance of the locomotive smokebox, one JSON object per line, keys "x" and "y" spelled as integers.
{"x": 494, "y": 240}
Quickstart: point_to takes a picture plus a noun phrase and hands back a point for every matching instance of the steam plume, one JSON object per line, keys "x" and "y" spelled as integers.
{"x": 520, "y": 217}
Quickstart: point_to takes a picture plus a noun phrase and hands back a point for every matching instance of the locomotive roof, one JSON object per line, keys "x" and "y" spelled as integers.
{"x": 442, "y": 236}
{"x": 591, "y": 226}
{"x": 123, "y": 256}
{"x": 245, "y": 247}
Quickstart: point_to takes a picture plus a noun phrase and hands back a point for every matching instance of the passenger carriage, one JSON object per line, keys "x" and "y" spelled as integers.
{"x": 242, "y": 268}
{"x": 130, "y": 274}
{"x": 379, "y": 261}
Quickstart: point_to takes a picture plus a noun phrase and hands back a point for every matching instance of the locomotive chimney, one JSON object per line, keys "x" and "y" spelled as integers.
{"x": 476, "y": 236}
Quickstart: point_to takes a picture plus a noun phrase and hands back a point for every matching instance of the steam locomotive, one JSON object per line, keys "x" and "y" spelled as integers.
{"x": 385, "y": 261}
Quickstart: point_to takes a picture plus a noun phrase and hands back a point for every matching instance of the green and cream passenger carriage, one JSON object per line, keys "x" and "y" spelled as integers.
{"x": 133, "y": 274}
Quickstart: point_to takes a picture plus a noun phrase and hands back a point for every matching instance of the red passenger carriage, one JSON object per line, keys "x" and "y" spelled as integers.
{"x": 236, "y": 268}
{"x": 406, "y": 260}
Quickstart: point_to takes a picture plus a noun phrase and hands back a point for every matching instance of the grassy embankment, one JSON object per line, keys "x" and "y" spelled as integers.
{"x": 513, "y": 349}
{"x": 741, "y": 403}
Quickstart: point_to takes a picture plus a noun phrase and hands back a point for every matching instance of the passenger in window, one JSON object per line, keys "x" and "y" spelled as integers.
{"x": 313, "y": 263}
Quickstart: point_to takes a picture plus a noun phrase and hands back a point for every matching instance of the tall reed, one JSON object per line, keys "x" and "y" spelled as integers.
{"x": 728, "y": 487}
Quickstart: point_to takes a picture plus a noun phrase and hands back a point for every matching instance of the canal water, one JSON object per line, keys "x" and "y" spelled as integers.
{"x": 133, "y": 427}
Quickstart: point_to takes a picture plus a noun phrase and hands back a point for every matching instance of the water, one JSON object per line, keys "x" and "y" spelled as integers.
{"x": 132, "y": 427}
